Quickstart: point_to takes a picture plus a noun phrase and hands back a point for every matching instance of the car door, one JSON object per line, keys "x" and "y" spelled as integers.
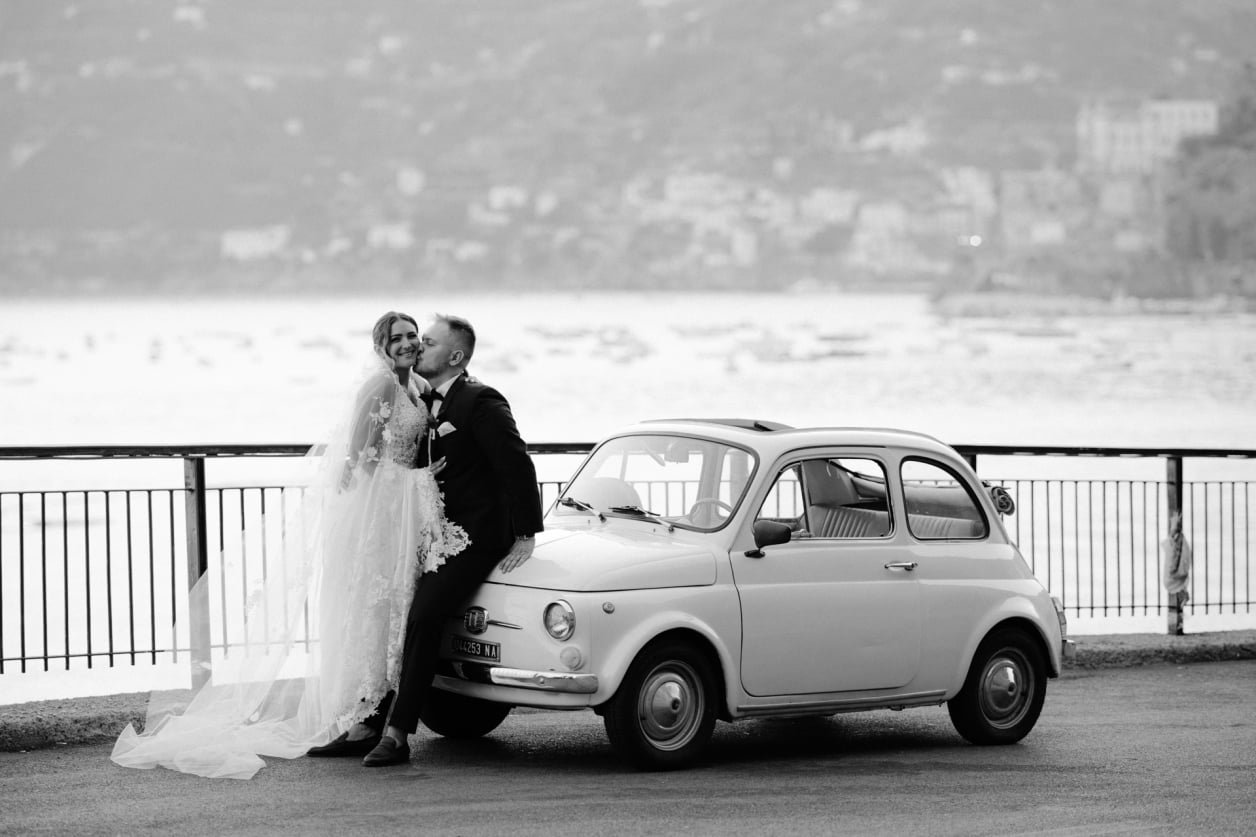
{"x": 837, "y": 609}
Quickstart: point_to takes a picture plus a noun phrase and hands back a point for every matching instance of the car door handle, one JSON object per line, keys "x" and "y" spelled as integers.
{"x": 901, "y": 565}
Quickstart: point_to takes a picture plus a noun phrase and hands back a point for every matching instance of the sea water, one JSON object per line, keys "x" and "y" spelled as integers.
{"x": 576, "y": 366}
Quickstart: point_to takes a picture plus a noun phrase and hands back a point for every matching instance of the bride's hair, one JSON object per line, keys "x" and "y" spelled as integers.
{"x": 383, "y": 328}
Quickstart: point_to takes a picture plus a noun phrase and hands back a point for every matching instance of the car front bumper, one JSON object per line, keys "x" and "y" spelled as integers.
{"x": 546, "y": 681}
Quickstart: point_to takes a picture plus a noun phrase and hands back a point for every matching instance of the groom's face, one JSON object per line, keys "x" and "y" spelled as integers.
{"x": 440, "y": 354}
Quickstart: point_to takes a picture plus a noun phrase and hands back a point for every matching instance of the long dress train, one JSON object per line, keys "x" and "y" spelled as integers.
{"x": 318, "y": 641}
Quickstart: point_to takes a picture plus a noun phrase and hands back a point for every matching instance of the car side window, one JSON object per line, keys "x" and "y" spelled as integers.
{"x": 831, "y": 497}
{"x": 784, "y": 502}
{"x": 939, "y": 505}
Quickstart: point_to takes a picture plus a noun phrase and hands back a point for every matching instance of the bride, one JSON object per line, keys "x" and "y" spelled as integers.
{"x": 368, "y": 524}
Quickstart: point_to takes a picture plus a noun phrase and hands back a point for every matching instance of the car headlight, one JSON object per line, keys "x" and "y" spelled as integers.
{"x": 560, "y": 620}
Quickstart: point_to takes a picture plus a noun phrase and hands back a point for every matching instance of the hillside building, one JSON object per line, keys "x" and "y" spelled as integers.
{"x": 1136, "y": 139}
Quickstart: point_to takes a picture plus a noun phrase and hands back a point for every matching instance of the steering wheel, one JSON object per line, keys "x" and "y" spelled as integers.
{"x": 709, "y": 501}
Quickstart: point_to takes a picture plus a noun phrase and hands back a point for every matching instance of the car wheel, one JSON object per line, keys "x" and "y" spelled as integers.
{"x": 459, "y": 716}
{"x": 1003, "y": 695}
{"x": 662, "y": 715}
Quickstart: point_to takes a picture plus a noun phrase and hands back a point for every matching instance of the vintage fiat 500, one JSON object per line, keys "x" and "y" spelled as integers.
{"x": 700, "y": 570}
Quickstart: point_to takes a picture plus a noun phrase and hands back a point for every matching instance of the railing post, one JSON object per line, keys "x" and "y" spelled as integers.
{"x": 1173, "y": 468}
{"x": 198, "y": 565}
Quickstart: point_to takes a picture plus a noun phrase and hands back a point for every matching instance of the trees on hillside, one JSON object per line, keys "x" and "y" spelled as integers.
{"x": 1211, "y": 201}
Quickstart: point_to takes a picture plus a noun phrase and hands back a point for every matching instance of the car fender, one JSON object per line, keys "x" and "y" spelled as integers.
{"x": 708, "y": 612}
{"x": 1020, "y": 611}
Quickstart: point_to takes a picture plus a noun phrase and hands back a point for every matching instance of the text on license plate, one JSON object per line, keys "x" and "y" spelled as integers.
{"x": 474, "y": 648}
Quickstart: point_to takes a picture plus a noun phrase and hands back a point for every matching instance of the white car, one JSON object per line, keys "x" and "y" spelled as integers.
{"x": 701, "y": 570}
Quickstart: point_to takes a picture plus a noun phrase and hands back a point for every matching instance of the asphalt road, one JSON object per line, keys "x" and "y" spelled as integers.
{"x": 1160, "y": 749}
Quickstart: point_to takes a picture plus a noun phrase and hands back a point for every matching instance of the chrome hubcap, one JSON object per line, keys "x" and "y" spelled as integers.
{"x": 670, "y": 705}
{"x": 1006, "y": 689}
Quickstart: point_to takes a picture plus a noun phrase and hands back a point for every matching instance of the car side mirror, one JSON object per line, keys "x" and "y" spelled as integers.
{"x": 768, "y": 533}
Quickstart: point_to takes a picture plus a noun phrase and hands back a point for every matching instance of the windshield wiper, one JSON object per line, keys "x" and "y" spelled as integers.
{"x": 638, "y": 512}
{"x": 573, "y": 503}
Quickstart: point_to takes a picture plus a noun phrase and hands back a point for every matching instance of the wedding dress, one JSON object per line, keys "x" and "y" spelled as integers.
{"x": 318, "y": 641}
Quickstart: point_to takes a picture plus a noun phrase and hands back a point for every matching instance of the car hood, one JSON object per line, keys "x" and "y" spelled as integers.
{"x": 611, "y": 559}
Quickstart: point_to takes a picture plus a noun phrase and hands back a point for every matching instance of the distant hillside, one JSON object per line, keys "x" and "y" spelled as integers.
{"x": 173, "y": 119}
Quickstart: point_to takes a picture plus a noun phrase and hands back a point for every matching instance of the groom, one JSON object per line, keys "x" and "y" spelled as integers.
{"x": 490, "y": 490}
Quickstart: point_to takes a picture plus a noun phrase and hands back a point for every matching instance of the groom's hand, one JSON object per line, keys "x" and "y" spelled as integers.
{"x": 519, "y": 552}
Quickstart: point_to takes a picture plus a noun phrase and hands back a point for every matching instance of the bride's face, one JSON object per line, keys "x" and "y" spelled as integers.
{"x": 403, "y": 344}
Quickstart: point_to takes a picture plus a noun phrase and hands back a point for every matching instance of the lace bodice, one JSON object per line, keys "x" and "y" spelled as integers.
{"x": 402, "y": 432}
{"x": 390, "y": 426}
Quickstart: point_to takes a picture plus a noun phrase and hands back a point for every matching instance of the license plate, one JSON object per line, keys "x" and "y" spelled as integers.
{"x": 490, "y": 651}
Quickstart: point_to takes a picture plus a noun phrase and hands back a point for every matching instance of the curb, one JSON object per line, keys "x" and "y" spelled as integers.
{"x": 49, "y": 723}
{"x": 99, "y": 720}
{"x": 1127, "y": 651}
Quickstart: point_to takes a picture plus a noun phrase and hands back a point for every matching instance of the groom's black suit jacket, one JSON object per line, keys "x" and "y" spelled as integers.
{"x": 489, "y": 479}
{"x": 490, "y": 490}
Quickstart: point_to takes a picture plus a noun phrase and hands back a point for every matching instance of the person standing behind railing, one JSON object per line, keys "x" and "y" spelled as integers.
{"x": 371, "y": 523}
{"x": 1177, "y": 573}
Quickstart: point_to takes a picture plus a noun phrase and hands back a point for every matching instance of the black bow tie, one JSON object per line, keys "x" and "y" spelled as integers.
{"x": 430, "y": 398}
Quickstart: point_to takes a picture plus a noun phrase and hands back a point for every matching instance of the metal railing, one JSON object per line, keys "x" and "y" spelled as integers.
{"x": 94, "y": 576}
{"x": 1098, "y": 544}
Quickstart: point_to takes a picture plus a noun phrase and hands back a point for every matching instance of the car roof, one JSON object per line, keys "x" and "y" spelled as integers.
{"x": 773, "y": 438}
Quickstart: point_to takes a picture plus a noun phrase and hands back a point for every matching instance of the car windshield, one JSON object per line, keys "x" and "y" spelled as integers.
{"x": 682, "y": 481}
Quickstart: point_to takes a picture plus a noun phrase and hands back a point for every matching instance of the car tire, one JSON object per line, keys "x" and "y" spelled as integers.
{"x": 1004, "y": 691}
{"x": 459, "y": 716}
{"x": 663, "y": 713}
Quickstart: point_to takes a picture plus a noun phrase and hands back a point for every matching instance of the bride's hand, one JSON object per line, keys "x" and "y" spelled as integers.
{"x": 437, "y": 466}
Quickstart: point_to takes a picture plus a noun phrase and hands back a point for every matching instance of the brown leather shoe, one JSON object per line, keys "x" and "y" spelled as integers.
{"x": 388, "y": 752}
{"x": 342, "y": 746}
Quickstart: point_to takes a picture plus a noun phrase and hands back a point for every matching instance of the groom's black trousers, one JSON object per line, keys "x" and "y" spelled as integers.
{"x": 436, "y": 598}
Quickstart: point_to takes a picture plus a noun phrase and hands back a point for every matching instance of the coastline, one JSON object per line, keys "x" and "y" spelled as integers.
{"x": 994, "y": 304}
